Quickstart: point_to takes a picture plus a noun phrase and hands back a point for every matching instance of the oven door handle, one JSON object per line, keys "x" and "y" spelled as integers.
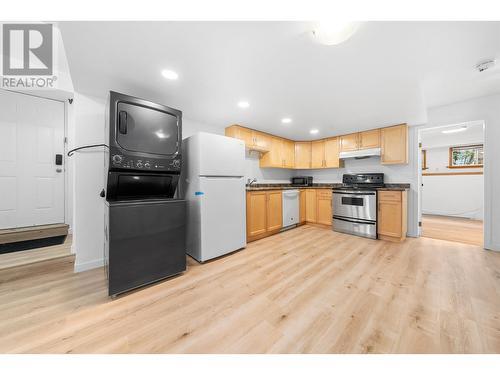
{"x": 348, "y": 193}
{"x": 356, "y": 221}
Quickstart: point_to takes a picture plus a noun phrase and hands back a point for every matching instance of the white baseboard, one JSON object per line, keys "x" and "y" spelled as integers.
{"x": 85, "y": 266}
{"x": 492, "y": 246}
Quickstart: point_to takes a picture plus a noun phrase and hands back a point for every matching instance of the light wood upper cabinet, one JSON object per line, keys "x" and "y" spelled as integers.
{"x": 369, "y": 139}
{"x": 302, "y": 206}
{"x": 332, "y": 153}
{"x": 324, "y": 206}
{"x": 349, "y": 142}
{"x": 288, "y": 153}
{"x": 392, "y": 215}
{"x": 394, "y": 144}
{"x": 318, "y": 154}
{"x": 274, "y": 210}
{"x": 279, "y": 152}
{"x": 240, "y": 132}
{"x": 302, "y": 155}
{"x": 273, "y": 158}
{"x": 262, "y": 140}
{"x": 256, "y": 213}
{"x": 311, "y": 205}
{"x": 253, "y": 139}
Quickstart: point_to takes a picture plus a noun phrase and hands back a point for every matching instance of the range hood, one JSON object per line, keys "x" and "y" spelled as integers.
{"x": 360, "y": 154}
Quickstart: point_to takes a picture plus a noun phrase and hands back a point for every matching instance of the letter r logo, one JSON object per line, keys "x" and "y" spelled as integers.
{"x": 27, "y": 49}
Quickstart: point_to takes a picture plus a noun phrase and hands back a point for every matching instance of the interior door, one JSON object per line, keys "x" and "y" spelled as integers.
{"x": 31, "y": 184}
{"x": 223, "y": 215}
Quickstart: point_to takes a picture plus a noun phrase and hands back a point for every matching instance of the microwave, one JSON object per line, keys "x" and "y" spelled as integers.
{"x": 302, "y": 181}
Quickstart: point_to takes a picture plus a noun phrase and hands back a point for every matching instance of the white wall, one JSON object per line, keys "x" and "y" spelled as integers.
{"x": 460, "y": 196}
{"x": 488, "y": 109}
{"x": 265, "y": 175}
{"x": 452, "y": 195}
{"x": 88, "y": 181}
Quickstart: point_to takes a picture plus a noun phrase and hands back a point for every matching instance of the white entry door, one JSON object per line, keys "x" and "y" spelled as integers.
{"x": 31, "y": 184}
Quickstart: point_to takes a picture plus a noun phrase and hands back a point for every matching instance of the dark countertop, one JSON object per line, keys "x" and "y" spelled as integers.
{"x": 257, "y": 187}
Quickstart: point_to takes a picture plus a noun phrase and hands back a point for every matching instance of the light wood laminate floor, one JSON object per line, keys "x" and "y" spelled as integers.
{"x": 453, "y": 229}
{"x": 307, "y": 290}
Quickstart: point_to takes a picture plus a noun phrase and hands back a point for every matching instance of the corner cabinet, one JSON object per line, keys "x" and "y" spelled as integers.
{"x": 264, "y": 213}
{"x": 394, "y": 144}
{"x": 302, "y": 155}
{"x": 392, "y": 215}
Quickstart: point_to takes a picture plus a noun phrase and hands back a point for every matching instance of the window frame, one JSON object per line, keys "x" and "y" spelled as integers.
{"x": 424, "y": 160}
{"x": 450, "y": 157}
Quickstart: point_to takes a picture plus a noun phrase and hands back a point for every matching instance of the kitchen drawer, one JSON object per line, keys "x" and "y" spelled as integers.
{"x": 324, "y": 193}
{"x": 393, "y": 196}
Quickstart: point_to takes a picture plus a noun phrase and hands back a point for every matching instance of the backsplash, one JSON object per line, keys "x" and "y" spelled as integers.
{"x": 264, "y": 175}
{"x": 392, "y": 173}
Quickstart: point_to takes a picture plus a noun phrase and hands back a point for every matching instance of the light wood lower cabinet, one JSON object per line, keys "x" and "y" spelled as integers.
{"x": 324, "y": 206}
{"x": 302, "y": 206}
{"x": 392, "y": 215}
{"x": 311, "y": 205}
{"x": 318, "y": 206}
{"x": 274, "y": 210}
{"x": 264, "y": 213}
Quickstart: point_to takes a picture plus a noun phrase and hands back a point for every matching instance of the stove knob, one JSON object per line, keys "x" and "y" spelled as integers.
{"x": 139, "y": 164}
{"x": 147, "y": 165}
{"x": 117, "y": 159}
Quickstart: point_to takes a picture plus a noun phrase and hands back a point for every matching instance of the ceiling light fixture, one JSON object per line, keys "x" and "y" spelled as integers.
{"x": 243, "y": 104}
{"x": 286, "y": 120}
{"x": 314, "y": 131}
{"x": 332, "y": 32}
{"x": 457, "y": 130}
{"x": 169, "y": 74}
{"x": 485, "y": 65}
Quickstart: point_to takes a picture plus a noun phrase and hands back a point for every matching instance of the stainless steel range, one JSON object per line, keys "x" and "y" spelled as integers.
{"x": 354, "y": 205}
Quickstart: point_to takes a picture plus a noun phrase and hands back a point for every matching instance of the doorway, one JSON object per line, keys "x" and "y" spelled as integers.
{"x": 452, "y": 189}
{"x": 32, "y": 173}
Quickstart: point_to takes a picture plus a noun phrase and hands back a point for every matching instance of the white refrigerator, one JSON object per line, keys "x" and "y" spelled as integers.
{"x": 213, "y": 184}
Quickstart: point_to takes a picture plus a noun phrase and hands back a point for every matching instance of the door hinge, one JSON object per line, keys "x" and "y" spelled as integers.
{"x": 419, "y": 223}
{"x": 65, "y": 139}
{"x": 420, "y": 144}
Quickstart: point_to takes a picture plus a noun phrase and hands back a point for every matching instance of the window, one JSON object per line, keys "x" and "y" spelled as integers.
{"x": 466, "y": 157}
{"x": 424, "y": 160}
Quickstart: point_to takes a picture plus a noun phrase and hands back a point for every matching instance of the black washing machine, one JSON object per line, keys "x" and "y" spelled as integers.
{"x": 145, "y": 220}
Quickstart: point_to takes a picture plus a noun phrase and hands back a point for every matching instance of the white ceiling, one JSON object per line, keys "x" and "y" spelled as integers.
{"x": 434, "y": 137}
{"x": 387, "y": 73}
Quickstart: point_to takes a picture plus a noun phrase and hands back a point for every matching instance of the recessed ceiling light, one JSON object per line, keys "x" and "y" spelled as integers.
{"x": 286, "y": 120}
{"x": 457, "y": 130}
{"x": 243, "y": 104}
{"x": 334, "y": 32}
{"x": 314, "y": 131}
{"x": 169, "y": 74}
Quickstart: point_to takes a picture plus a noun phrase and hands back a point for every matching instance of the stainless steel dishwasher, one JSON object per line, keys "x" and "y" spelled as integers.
{"x": 290, "y": 207}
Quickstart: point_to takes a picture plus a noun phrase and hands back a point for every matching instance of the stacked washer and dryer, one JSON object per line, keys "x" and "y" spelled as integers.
{"x": 144, "y": 221}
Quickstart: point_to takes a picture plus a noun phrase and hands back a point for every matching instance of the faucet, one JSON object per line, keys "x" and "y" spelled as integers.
{"x": 251, "y": 181}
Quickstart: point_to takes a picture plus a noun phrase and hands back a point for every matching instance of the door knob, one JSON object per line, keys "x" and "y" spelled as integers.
{"x": 59, "y": 170}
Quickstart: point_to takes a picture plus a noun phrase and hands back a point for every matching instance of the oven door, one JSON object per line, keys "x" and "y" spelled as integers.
{"x": 355, "y": 204}
{"x": 363, "y": 228}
